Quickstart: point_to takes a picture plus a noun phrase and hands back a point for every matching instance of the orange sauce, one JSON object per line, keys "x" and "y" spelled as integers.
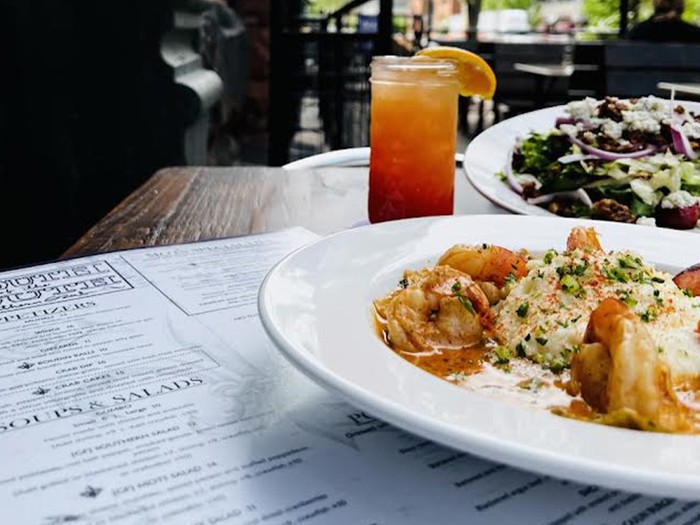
{"x": 441, "y": 363}
{"x": 579, "y": 409}
{"x": 521, "y": 381}
{"x": 446, "y": 363}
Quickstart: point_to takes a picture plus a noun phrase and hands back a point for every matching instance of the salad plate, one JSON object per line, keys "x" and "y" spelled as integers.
{"x": 316, "y": 306}
{"x": 488, "y": 155}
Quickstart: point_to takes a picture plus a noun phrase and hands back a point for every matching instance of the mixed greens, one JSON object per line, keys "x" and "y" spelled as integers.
{"x": 622, "y": 160}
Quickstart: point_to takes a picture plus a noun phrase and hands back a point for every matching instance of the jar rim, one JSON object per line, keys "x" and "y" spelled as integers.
{"x": 414, "y": 63}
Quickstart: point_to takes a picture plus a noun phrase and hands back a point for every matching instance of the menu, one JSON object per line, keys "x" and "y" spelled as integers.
{"x": 139, "y": 387}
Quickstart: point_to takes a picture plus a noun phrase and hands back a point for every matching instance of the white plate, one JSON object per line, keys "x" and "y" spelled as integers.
{"x": 315, "y": 305}
{"x": 488, "y": 153}
{"x": 339, "y": 158}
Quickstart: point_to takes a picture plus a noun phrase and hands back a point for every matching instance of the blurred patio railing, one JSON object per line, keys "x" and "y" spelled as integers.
{"x": 319, "y": 94}
{"x": 319, "y": 85}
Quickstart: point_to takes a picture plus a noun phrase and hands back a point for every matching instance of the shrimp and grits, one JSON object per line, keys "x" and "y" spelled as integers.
{"x": 588, "y": 334}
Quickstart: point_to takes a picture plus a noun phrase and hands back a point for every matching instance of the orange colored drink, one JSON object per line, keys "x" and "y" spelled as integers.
{"x": 413, "y": 134}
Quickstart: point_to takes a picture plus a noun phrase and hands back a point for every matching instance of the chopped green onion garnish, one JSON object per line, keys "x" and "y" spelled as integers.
{"x": 466, "y": 303}
{"x": 548, "y": 256}
{"x": 522, "y": 309}
{"x": 569, "y": 284}
{"x": 503, "y": 355}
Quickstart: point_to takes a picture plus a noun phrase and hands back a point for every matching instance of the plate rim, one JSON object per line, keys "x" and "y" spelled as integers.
{"x": 550, "y": 463}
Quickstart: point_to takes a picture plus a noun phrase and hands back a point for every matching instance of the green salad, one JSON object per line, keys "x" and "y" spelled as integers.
{"x": 620, "y": 160}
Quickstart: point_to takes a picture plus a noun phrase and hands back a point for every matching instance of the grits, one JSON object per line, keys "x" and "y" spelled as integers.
{"x": 546, "y": 313}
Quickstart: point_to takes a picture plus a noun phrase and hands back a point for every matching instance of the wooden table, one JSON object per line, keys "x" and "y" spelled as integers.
{"x": 196, "y": 203}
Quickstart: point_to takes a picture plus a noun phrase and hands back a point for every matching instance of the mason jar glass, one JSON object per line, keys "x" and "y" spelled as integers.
{"x": 413, "y": 135}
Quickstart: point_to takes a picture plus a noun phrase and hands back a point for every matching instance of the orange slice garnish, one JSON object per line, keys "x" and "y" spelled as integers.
{"x": 475, "y": 76}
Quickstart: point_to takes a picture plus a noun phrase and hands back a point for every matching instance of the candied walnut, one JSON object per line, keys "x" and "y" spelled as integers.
{"x": 588, "y": 137}
{"x": 611, "y": 108}
{"x": 679, "y": 109}
{"x": 642, "y": 140}
{"x": 529, "y": 190}
{"x": 615, "y": 146}
{"x": 556, "y": 207}
{"x": 567, "y": 208}
{"x": 608, "y": 143}
{"x": 664, "y": 137}
{"x": 637, "y": 138}
{"x": 611, "y": 210}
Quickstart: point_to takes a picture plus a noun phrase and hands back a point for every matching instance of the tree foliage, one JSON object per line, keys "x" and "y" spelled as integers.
{"x": 602, "y": 14}
{"x": 605, "y": 14}
{"x": 692, "y": 11}
{"x": 318, "y": 7}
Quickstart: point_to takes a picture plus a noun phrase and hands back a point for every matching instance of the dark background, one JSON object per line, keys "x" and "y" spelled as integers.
{"x": 88, "y": 111}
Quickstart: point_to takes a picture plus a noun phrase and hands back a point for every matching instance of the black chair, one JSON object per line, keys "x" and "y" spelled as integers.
{"x": 518, "y": 92}
{"x": 634, "y": 69}
{"x": 588, "y": 78}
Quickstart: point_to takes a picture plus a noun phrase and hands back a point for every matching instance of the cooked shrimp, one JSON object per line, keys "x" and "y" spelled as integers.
{"x": 409, "y": 277}
{"x": 619, "y": 373}
{"x": 689, "y": 279}
{"x": 584, "y": 239}
{"x": 485, "y": 262}
{"x": 440, "y": 308}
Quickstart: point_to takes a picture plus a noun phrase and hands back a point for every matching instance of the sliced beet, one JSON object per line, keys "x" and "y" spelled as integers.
{"x": 678, "y": 218}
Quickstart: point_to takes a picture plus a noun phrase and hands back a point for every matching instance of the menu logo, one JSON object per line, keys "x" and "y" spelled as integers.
{"x": 41, "y": 289}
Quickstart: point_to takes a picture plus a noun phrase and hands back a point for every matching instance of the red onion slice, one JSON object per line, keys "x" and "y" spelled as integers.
{"x": 677, "y": 141}
{"x": 579, "y": 194}
{"x": 609, "y": 155}
{"x": 542, "y": 199}
{"x": 583, "y": 197}
{"x": 564, "y": 120}
{"x": 681, "y": 144}
{"x": 585, "y": 124}
{"x": 575, "y": 157}
{"x": 508, "y": 170}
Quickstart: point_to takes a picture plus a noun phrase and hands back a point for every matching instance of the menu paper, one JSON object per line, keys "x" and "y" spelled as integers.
{"x": 139, "y": 387}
